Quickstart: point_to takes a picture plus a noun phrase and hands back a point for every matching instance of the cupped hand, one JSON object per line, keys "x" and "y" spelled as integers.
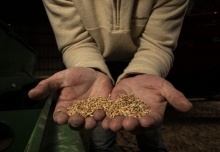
{"x": 74, "y": 84}
{"x": 155, "y": 92}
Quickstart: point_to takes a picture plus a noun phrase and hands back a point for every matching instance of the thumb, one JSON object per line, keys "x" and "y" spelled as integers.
{"x": 45, "y": 87}
{"x": 175, "y": 98}
{"x": 116, "y": 93}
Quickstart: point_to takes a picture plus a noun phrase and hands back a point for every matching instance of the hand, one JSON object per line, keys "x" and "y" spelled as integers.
{"x": 155, "y": 92}
{"x": 74, "y": 84}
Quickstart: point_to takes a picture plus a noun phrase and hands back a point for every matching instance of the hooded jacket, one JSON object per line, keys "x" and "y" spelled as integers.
{"x": 141, "y": 32}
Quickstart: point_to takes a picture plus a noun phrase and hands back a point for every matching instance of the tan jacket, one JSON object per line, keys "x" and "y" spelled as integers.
{"x": 144, "y": 32}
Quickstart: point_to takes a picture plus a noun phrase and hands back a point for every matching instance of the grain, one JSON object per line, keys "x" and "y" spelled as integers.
{"x": 125, "y": 105}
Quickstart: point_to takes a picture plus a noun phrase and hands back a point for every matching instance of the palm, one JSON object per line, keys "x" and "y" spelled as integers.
{"x": 74, "y": 84}
{"x": 154, "y": 91}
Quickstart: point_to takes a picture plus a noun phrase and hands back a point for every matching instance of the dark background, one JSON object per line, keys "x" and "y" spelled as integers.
{"x": 29, "y": 20}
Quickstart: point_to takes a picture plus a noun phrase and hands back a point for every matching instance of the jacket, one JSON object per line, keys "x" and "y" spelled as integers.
{"x": 141, "y": 32}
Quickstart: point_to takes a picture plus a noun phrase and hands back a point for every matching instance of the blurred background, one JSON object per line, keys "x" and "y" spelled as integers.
{"x": 29, "y": 20}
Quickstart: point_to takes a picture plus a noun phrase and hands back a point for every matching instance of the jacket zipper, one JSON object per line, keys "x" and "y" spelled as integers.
{"x": 117, "y": 12}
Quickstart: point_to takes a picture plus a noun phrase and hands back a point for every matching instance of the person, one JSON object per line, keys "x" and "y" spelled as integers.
{"x": 96, "y": 35}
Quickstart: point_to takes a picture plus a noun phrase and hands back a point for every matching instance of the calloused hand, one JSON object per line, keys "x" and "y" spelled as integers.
{"x": 74, "y": 84}
{"x": 155, "y": 92}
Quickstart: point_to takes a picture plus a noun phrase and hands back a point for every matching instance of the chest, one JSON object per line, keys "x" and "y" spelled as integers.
{"x": 114, "y": 14}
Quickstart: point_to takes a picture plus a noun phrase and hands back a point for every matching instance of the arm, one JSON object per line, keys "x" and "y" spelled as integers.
{"x": 152, "y": 62}
{"x": 75, "y": 43}
{"x": 158, "y": 40}
{"x": 80, "y": 54}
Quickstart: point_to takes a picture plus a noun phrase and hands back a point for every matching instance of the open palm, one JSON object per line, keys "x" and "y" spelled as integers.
{"x": 155, "y": 92}
{"x": 74, "y": 84}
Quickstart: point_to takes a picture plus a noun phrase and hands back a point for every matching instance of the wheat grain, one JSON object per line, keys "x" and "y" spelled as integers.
{"x": 125, "y": 105}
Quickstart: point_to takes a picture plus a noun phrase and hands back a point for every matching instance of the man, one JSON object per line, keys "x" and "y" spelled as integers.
{"x": 90, "y": 34}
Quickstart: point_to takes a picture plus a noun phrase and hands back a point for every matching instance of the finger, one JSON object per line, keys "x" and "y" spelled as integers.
{"x": 175, "y": 98}
{"x": 90, "y": 123}
{"x": 130, "y": 123}
{"x": 76, "y": 120}
{"x": 116, "y": 123}
{"x": 99, "y": 115}
{"x": 106, "y": 123}
{"x": 151, "y": 121}
{"x": 45, "y": 87}
{"x": 60, "y": 115}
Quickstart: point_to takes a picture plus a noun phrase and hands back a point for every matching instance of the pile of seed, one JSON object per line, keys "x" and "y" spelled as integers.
{"x": 125, "y": 105}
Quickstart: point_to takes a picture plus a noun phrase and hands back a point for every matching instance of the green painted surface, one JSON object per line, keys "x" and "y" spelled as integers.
{"x": 17, "y": 60}
{"x": 60, "y": 138}
{"x": 15, "y": 55}
{"x": 34, "y": 142}
{"x": 51, "y": 137}
{"x": 22, "y": 122}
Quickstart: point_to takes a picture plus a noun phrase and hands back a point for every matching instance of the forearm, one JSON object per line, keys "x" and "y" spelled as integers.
{"x": 85, "y": 57}
{"x": 73, "y": 40}
{"x": 158, "y": 40}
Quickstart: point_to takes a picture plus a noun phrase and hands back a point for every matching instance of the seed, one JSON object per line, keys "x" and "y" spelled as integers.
{"x": 125, "y": 105}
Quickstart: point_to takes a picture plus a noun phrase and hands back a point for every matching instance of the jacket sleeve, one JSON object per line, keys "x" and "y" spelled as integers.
{"x": 77, "y": 46}
{"x": 158, "y": 39}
